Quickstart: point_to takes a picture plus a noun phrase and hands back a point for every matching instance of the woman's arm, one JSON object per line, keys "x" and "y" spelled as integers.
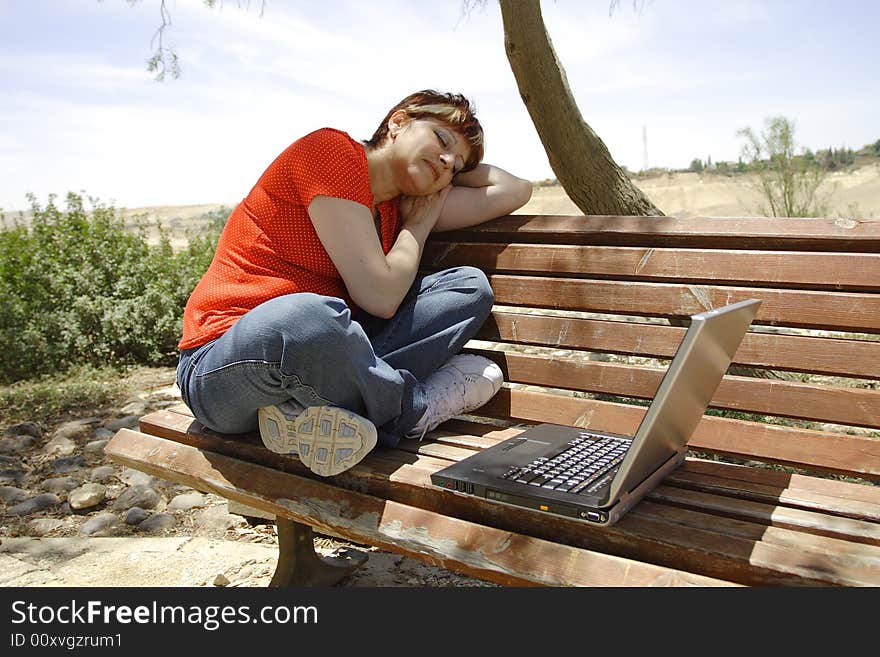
{"x": 376, "y": 282}
{"x": 480, "y": 194}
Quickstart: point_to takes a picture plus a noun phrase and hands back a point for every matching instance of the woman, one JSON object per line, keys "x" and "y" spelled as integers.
{"x": 311, "y": 322}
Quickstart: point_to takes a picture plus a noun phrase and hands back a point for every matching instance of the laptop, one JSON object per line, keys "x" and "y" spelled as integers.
{"x": 598, "y": 476}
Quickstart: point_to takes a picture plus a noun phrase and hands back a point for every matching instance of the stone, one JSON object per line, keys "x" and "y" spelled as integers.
{"x": 42, "y": 526}
{"x": 102, "y": 433}
{"x": 186, "y": 501}
{"x": 214, "y": 520}
{"x": 99, "y": 524}
{"x": 221, "y": 580}
{"x": 60, "y": 446}
{"x": 24, "y": 428}
{"x": 86, "y": 496}
{"x": 68, "y": 464}
{"x": 127, "y": 422}
{"x": 135, "y": 516}
{"x": 60, "y": 484}
{"x": 75, "y": 429}
{"x": 16, "y": 444}
{"x": 12, "y": 476}
{"x": 134, "y": 477}
{"x": 139, "y": 495}
{"x": 95, "y": 448}
{"x": 12, "y": 495}
{"x": 102, "y": 473}
{"x": 157, "y": 522}
{"x": 135, "y": 408}
{"x": 35, "y": 504}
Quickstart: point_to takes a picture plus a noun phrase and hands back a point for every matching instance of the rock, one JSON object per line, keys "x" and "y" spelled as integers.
{"x": 12, "y": 495}
{"x": 75, "y": 428}
{"x": 136, "y": 408}
{"x": 102, "y": 433}
{"x": 16, "y": 444}
{"x": 135, "y": 516}
{"x": 60, "y": 446}
{"x": 98, "y": 524}
{"x": 68, "y": 464}
{"x": 35, "y": 504}
{"x": 60, "y": 484}
{"x": 134, "y": 477}
{"x": 221, "y": 580}
{"x": 127, "y": 422}
{"x": 186, "y": 502}
{"x": 102, "y": 473}
{"x": 42, "y": 526}
{"x": 214, "y": 520}
{"x": 26, "y": 429}
{"x": 157, "y": 522}
{"x": 95, "y": 449}
{"x": 86, "y": 496}
{"x": 140, "y": 495}
{"x": 12, "y": 476}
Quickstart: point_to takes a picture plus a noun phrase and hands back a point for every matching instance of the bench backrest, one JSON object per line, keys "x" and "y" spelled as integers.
{"x": 590, "y": 309}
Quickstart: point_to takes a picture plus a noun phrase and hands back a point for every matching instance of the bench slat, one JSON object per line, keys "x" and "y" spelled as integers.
{"x": 805, "y": 270}
{"x": 820, "y": 451}
{"x": 842, "y": 311}
{"x": 504, "y": 557}
{"x": 810, "y": 234}
{"x": 854, "y": 406}
{"x": 813, "y": 355}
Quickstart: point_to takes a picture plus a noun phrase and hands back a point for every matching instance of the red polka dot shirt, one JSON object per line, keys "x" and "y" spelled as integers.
{"x": 269, "y": 247}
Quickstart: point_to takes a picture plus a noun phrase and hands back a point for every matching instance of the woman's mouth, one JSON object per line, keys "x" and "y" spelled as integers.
{"x": 434, "y": 171}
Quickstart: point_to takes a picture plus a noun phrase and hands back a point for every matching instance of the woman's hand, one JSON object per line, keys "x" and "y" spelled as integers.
{"x": 423, "y": 210}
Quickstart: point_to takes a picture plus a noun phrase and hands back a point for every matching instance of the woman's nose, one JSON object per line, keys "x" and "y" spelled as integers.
{"x": 447, "y": 159}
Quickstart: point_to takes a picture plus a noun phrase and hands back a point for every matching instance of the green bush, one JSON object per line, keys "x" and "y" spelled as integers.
{"x": 81, "y": 289}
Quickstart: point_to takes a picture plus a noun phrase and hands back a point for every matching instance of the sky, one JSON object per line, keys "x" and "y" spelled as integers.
{"x": 662, "y": 84}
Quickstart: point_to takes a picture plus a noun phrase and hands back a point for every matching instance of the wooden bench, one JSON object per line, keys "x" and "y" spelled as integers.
{"x": 780, "y": 484}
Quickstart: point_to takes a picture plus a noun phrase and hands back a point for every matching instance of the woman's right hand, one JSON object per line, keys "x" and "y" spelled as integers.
{"x": 423, "y": 209}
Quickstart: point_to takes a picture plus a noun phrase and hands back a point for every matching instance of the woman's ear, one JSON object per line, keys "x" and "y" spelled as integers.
{"x": 397, "y": 122}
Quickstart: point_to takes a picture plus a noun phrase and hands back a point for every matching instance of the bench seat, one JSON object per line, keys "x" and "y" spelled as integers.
{"x": 780, "y": 484}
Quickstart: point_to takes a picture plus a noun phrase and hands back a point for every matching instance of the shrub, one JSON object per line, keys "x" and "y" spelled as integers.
{"x": 81, "y": 289}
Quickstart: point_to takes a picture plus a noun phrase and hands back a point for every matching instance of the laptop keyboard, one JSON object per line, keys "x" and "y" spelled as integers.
{"x": 577, "y": 468}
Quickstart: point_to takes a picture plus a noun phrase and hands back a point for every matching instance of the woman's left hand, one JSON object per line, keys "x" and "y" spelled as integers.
{"x": 423, "y": 209}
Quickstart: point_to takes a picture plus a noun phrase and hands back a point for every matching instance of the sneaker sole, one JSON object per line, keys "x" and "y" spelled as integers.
{"x": 327, "y": 439}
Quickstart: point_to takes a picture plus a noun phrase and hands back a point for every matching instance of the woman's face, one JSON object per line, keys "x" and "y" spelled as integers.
{"x": 426, "y": 155}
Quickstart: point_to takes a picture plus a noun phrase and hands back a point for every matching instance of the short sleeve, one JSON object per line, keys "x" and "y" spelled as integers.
{"x": 326, "y": 162}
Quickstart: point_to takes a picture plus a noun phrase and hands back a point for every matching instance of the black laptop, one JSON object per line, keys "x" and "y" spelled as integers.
{"x": 598, "y": 476}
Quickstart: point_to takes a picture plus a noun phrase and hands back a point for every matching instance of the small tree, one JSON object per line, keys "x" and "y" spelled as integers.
{"x": 788, "y": 183}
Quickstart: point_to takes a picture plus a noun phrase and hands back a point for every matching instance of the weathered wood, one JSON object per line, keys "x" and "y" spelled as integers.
{"x": 855, "y": 406}
{"x": 810, "y": 234}
{"x": 814, "y": 355}
{"x": 506, "y": 557}
{"x": 832, "y": 311}
{"x": 789, "y": 269}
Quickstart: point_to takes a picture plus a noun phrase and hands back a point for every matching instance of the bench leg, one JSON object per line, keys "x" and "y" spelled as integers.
{"x": 300, "y": 565}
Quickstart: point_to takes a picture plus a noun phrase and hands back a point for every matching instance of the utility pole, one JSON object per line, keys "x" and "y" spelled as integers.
{"x": 645, "y": 148}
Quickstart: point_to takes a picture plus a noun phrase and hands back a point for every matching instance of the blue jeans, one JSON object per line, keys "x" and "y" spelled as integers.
{"x": 306, "y": 349}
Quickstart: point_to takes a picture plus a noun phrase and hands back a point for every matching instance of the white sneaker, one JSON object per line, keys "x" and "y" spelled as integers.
{"x": 463, "y": 383}
{"x": 327, "y": 439}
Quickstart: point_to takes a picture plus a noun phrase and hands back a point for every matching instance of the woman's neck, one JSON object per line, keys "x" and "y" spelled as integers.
{"x": 381, "y": 174}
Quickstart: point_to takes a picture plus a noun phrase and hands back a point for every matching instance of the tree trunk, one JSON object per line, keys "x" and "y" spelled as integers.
{"x": 577, "y": 155}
